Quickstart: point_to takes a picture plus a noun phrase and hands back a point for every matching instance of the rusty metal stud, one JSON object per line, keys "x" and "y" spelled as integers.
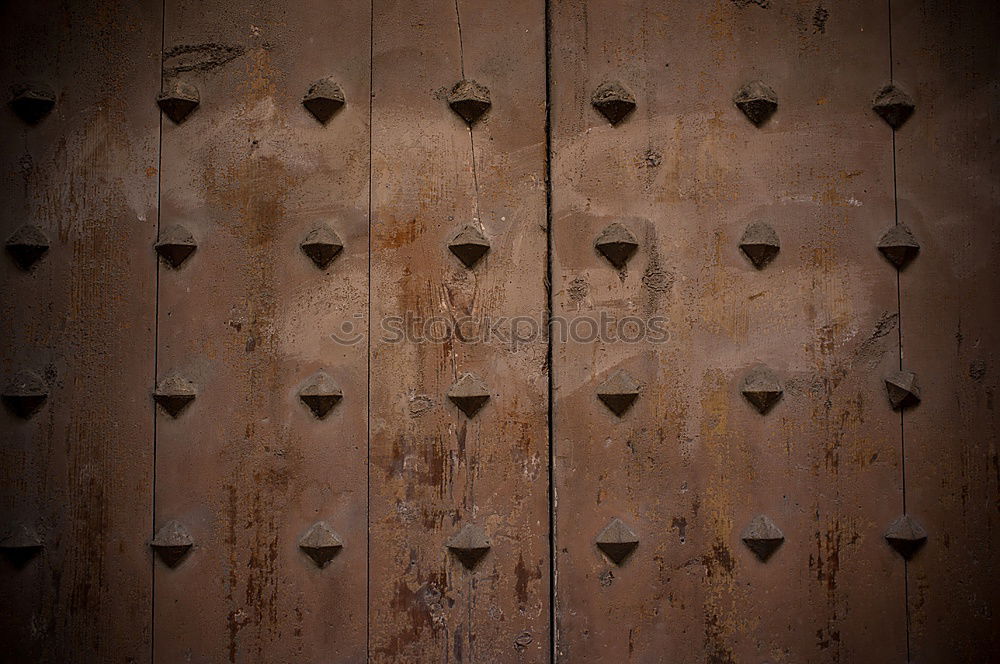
{"x": 470, "y": 100}
{"x": 617, "y": 541}
{"x": 321, "y": 245}
{"x": 172, "y": 543}
{"x": 760, "y": 244}
{"x": 32, "y": 101}
{"x": 25, "y": 393}
{"x": 27, "y": 245}
{"x": 321, "y": 543}
{"x": 469, "y": 245}
{"x": 614, "y": 101}
{"x": 20, "y": 545}
{"x": 617, "y": 244}
{"x": 902, "y": 389}
{"x": 906, "y": 536}
{"x": 174, "y": 393}
{"x": 469, "y": 393}
{"x": 893, "y": 105}
{"x": 178, "y": 99}
{"x": 324, "y": 98}
{"x": 761, "y": 388}
{"x": 618, "y": 392}
{"x": 469, "y": 545}
{"x": 757, "y": 101}
{"x": 899, "y": 246}
{"x": 176, "y": 243}
{"x": 762, "y": 536}
{"x": 320, "y": 393}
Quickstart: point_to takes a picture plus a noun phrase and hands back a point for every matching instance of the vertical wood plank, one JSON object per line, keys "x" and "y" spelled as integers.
{"x": 78, "y": 472}
{"x": 433, "y": 470}
{"x": 691, "y": 463}
{"x": 248, "y": 318}
{"x": 946, "y": 163}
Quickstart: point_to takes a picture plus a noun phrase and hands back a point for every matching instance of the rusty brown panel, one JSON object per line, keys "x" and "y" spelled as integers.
{"x": 246, "y": 468}
{"x": 691, "y": 463}
{"x": 946, "y": 59}
{"x": 434, "y": 470}
{"x": 78, "y": 471}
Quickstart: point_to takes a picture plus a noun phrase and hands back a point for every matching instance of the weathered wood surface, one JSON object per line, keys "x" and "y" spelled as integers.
{"x": 691, "y": 463}
{"x": 433, "y": 470}
{"x": 78, "y": 473}
{"x": 247, "y": 468}
{"x": 946, "y": 58}
{"x": 395, "y": 468}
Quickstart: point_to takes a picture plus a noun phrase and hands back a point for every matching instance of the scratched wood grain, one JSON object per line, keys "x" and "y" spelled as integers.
{"x": 946, "y": 58}
{"x": 247, "y": 468}
{"x": 691, "y": 463}
{"x": 433, "y": 470}
{"x": 79, "y": 472}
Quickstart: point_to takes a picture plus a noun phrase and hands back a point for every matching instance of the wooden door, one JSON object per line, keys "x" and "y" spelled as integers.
{"x": 543, "y": 331}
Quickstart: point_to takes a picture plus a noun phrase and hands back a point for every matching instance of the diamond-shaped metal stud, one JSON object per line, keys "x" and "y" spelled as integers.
{"x": 321, "y": 245}
{"x": 321, "y": 543}
{"x": 176, "y": 243}
{"x": 906, "y": 536}
{"x": 902, "y": 389}
{"x": 617, "y": 244}
{"x": 172, "y": 543}
{"x": 618, "y": 392}
{"x": 32, "y": 102}
{"x": 757, "y": 101}
{"x": 760, "y": 244}
{"x": 178, "y": 99}
{"x": 899, "y": 246}
{"x": 320, "y": 393}
{"x": 617, "y": 540}
{"x": 761, "y": 388}
{"x": 20, "y": 545}
{"x": 762, "y": 537}
{"x": 470, "y": 100}
{"x": 469, "y": 245}
{"x": 469, "y": 545}
{"x": 614, "y": 101}
{"x": 174, "y": 393}
{"x": 25, "y": 393}
{"x": 893, "y": 105}
{"x": 323, "y": 99}
{"x": 27, "y": 245}
{"x": 469, "y": 393}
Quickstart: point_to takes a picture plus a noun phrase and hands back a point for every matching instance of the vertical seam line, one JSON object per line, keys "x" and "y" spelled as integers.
{"x": 368, "y": 400}
{"x": 549, "y": 351}
{"x": 470, "y": 476}
{"x": 899, "y": 335}
{"x": 156, "y": 339}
